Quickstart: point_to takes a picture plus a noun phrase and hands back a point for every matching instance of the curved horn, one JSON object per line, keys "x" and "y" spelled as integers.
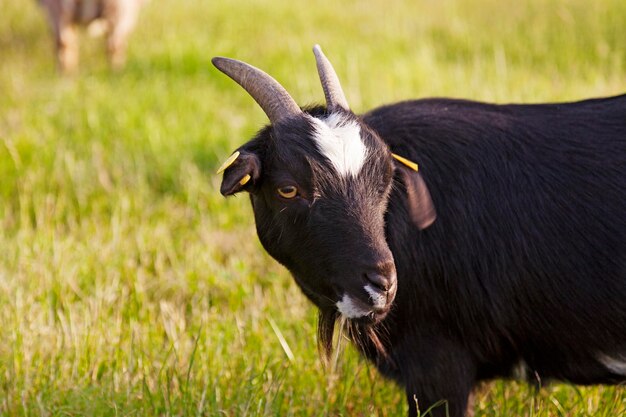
{"x": 330, "y": 82}
{"x": 265, "y": 90}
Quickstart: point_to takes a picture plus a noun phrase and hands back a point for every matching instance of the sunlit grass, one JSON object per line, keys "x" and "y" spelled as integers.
{"x": 128, "y": 286}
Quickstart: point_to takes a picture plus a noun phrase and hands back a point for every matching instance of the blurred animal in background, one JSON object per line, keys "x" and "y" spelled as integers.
{"x": 115, "y": 18}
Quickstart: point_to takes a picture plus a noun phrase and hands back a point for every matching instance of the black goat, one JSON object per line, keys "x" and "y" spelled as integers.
{"x": 525, "y": 265}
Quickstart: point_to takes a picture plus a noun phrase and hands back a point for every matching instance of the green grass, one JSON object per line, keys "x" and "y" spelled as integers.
{"x": 128, "y": 286}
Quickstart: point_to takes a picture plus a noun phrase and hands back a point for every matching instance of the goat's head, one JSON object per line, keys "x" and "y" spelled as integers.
{"x": 319, "y": 182}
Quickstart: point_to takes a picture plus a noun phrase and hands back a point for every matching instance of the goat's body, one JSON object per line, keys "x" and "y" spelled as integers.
{"x": 505, "y": 252}
{"x": 118, "y": 16}
{"x": 526, "y": 263}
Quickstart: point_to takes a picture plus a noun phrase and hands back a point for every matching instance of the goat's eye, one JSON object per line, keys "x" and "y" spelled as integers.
{"x": 288, "y": 191}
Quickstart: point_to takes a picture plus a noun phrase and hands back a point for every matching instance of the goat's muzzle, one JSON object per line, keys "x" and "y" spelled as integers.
{"x": 369, "y": 298}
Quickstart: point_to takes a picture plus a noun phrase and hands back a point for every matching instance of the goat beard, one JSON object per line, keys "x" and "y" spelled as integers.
{"x": 368, "y": 338}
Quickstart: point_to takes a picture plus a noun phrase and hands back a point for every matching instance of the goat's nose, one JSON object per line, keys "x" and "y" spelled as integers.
{"x": 382, "y": 277}
{"x": 378, "y": 281}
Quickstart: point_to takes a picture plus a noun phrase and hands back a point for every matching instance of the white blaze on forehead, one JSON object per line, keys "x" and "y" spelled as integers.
{"x": 617, "y": 365}
{"x": 349, "y": 309}
{"x": 339, "y": 140}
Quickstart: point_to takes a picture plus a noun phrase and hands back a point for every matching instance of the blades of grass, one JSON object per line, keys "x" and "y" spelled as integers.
{"x": 281, "y": 339}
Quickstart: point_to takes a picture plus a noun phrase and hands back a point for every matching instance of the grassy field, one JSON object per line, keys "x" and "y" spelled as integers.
{"x": 128, "y": 286}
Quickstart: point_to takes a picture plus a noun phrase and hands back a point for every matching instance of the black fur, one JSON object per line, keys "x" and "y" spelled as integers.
{"x": 527, "y": 258}
{"x": 526, "y": 262}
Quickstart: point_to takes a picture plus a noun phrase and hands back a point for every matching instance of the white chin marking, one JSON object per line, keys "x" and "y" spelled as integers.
{"x": 615, "y": 364}
{"x": 378, "y": 300}
{"x": 349, "y": 309}
{"x": 339, "y": 140}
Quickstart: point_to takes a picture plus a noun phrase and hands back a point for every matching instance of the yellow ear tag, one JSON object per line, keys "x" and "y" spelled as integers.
{"x": 231, "y": 159}
{"x": 244, "y": 180}
{"x": 406, "y": 162}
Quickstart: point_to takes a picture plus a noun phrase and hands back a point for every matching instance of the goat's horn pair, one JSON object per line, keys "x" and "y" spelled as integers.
{"x": 271, "y": 96}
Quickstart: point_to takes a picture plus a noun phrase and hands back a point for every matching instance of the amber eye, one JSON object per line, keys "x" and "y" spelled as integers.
{"x": 288, "y": 191}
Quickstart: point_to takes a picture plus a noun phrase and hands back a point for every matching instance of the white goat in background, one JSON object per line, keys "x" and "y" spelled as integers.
{"x": 116, "y": 18}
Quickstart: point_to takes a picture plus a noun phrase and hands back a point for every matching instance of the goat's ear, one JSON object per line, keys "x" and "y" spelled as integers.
{"x": 241, "y": 173}
{"x": 420, "y": 205}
